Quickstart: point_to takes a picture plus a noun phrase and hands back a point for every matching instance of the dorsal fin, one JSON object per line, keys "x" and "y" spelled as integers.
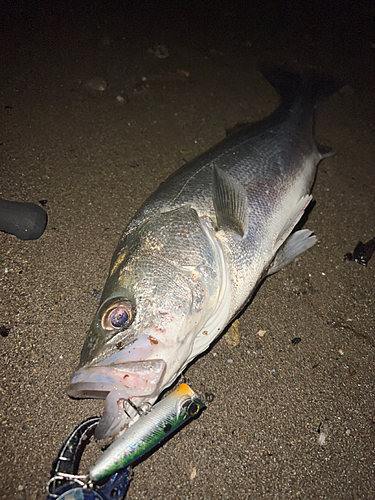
{"x": 230, "y": 202}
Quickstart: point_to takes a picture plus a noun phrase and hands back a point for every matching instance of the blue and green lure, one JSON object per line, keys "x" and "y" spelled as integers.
{"x": 164, "y": 418}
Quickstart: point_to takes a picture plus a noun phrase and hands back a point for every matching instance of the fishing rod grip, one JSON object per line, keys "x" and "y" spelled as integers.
{"x": 27, "y": 221}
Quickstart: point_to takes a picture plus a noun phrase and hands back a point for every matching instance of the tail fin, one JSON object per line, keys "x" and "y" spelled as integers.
{"x": 312, "y": 87}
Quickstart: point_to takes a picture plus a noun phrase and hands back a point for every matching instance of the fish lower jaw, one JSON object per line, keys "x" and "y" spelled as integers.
{"x": 84, "y": 390}
{"x": 137, "y": 379}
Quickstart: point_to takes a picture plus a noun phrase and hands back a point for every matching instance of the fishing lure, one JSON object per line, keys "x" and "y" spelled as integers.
{"x": 162, "y": 420}
{"x": 153, "y": 426}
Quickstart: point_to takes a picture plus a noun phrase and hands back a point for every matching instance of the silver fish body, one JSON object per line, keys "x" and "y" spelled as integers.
{"x": 196, "y": 250}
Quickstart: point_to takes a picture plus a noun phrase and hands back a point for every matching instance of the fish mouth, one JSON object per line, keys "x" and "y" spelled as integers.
{"x": 124, "y": 386}
{"x": 139, "y": 378}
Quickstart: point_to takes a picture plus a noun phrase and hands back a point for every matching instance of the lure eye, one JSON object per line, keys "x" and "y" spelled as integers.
{"x": 193, "y": 409}
{"x": 117, "y": 316}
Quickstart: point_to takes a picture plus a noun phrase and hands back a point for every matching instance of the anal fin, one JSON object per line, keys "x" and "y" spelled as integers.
{"x": 296, "y": 244}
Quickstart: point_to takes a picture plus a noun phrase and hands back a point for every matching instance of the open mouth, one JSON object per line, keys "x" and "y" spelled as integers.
{"x": 140, "y": 378}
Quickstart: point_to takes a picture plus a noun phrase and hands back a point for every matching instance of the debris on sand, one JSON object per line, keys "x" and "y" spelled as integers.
{"x": 323, "y": 433}
{"x": 97, "y": 83}
{"x": 233, "y": 335}
{"x": 260, "y": 335}
{"x": 362, "y": 252}
{"x": 159, "y": 51}
{"x": 296, "y": 340}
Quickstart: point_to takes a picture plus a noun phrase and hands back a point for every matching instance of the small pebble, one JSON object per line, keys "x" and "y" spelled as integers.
{"x": 183, "y": 72}
{"x": 97, "y": 83}
{"x": 4, "y": 331}
{"x": 159, "y": 51}
{"x": 209, "y": 397}
{"x": 230, "y": 360}
{"x": 296, "y": 340}
{"x": 193, "y": 473}
{"x": 96, "y": 294}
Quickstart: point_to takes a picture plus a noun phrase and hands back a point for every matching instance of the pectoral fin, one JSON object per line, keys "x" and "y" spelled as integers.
{"x": 230, "y": 203}
{"x": 296, "y": 244}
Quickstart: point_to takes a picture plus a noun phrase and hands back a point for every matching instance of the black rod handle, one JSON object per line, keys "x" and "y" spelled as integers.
{"x": 27, "y": 221}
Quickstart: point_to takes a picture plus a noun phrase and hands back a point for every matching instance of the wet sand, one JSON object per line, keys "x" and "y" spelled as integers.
{"x": 285, "y": 418}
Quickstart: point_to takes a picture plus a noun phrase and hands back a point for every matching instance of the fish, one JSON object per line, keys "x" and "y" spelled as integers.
{"x": 162, "y": 420}
{"x": 192, "y": 256}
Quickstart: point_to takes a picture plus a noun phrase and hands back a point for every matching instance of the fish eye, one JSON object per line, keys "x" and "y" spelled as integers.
{"x": 193, "y": 409}
{"x": 117, "y": 316}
